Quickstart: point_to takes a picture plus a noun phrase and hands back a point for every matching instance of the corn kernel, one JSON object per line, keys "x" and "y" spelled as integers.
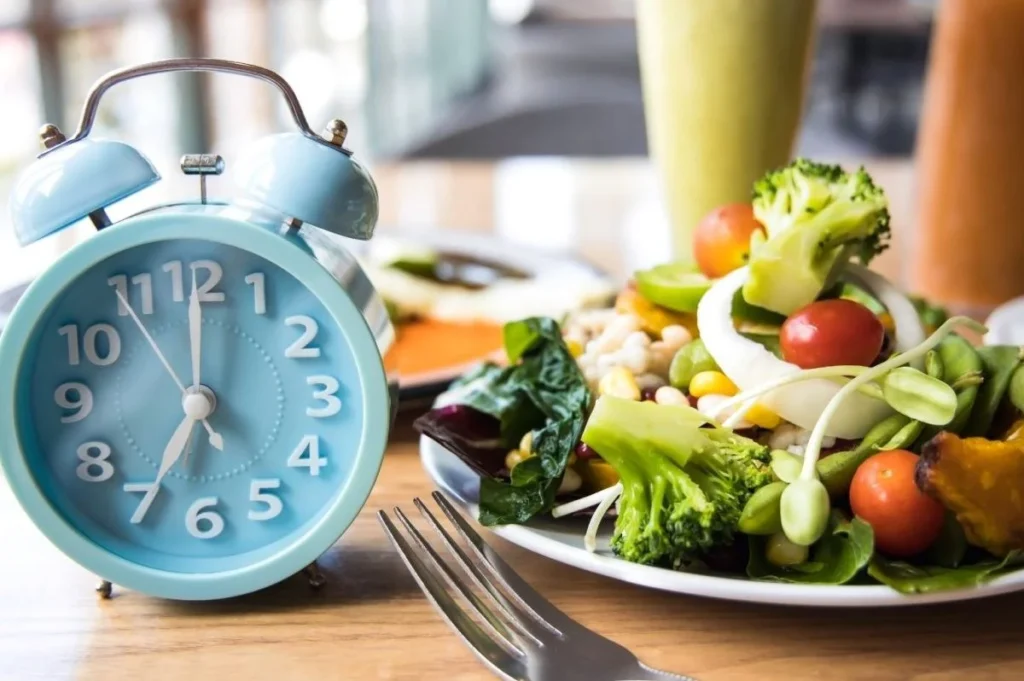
{"x": 712, "y": 383}
{"x": 575, "y": 347}
{"x": 760, "y": 416}
{"x": 515, "y": 457}
{"x": 666, "y": 394}
{"x": 887, "y": 322}
{"x": 526, "y": 443}
{"x": 619, "y": 382}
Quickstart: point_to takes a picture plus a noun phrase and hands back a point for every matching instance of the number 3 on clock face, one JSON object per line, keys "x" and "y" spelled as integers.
{"x": 131, "y": 461}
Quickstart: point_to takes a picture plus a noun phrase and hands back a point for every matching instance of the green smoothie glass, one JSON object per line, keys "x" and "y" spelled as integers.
{"x": 723, "y": 86}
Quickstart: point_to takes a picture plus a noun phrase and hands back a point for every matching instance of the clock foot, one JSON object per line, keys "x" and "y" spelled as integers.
{"x": 105, "y": 589}
{"x": 313, "y": 575}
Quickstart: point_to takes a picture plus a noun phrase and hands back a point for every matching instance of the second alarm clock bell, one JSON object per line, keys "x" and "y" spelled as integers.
{"x": 192, "y": 400}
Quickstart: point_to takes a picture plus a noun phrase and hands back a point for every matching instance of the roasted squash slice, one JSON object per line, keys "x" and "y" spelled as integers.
{"x": 982, "y": 482}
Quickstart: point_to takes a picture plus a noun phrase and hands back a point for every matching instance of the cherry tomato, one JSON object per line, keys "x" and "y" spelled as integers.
{"x": 721, "y": 242}
{"x": 830, "y": 332}
{"x": 883, "y": 494}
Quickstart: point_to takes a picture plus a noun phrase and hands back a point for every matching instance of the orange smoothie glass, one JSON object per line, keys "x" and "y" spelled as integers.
{"x": 969, "y": 244}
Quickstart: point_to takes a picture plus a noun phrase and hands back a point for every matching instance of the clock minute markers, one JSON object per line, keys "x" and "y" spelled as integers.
{"x": 215, "y": 438}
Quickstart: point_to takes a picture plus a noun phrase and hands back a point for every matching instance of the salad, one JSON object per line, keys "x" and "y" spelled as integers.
{"x": 774, "y": 409}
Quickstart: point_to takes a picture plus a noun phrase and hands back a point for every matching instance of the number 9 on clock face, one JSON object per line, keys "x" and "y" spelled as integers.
{"x": 189, "y": 406}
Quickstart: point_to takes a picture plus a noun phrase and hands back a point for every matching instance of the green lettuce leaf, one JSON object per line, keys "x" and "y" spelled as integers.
{"x": 915, "y": 579}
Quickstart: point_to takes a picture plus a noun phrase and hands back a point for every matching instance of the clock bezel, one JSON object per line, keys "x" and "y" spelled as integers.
{"x": 298, "y": 263}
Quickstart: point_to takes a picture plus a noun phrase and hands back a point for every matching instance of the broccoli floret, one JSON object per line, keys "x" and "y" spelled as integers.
{"x": 816, "y": 218}
{"x": 684, "y": 481}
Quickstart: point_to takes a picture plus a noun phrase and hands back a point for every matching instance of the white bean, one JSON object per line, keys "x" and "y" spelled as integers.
{"x": 571, "y": 481}
{"x": 649, "y": 380}
{"x": 672, "y": 396}
{"x": 676, "y": 335}
{"x": 659, "y": 357}
{"x": 634, "y": 359}
{"x": 784, "y": 436}
{"x": 637, "y": 339}
{"x": 605, "y": 362}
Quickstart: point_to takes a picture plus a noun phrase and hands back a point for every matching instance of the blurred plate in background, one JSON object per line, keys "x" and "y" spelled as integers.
{"x": 450, "y": 292}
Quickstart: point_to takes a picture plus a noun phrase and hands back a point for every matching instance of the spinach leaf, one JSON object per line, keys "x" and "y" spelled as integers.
{"x": 932, "y": 316}
{"x": 914, "y": 579}
{"x": 1000, "y": 361}
{"x": 950, "y": 546}
{"x": 743, "y": 310}
{"x": 836, "y": 559}
{"x": 489, "y": 390}
{"x": 541, "y": 391}
{"x": 770, "y": 341}
{"x": 859, "y": 295}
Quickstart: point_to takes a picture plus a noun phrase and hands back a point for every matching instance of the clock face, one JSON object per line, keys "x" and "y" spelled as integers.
{"x": 189, "y": 406}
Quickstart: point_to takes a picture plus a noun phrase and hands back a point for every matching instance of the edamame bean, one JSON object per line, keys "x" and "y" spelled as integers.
{"x": 762, "y": 513}
{"x": 836, "y": 470}
{"x": 1017, "y": 388}
{"x": 933, "y": 364}
{"x": 904, "y": 437}
{"x": 962, "y": 369}
{"x": 690, "y": 360}
{"x": 882, "y": 432}
{"x": 1000, "y": 361}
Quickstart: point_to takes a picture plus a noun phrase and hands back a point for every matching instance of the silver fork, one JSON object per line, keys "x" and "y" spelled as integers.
{"x": 517, "y": 633}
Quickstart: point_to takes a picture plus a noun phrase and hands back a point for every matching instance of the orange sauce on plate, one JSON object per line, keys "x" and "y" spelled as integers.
{"x": 427, "y": 347}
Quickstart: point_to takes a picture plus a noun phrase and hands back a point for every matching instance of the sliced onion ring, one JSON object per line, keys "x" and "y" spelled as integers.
{"x": 749, "y": 364}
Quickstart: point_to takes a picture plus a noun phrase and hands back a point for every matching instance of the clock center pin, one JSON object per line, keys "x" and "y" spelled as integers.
{"x": 199, "y": 402}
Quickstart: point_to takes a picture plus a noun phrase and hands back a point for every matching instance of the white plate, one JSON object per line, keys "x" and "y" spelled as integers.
{"x": 563, "y": 541}
{"x": 1006, "y": 324}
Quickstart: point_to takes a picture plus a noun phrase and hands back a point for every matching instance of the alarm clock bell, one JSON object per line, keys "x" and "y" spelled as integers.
{"x": 307, "y": 178}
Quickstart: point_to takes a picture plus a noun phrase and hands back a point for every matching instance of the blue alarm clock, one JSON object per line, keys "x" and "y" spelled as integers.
{"x": 192, "y": 400}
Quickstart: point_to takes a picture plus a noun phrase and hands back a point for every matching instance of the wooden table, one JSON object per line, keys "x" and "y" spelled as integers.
{"x": 371, "y": 622}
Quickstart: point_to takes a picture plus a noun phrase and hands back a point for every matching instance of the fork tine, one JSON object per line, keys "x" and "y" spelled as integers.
{"x": 481, "y": 580}
{"x": 490, "y": 652}
{"x": 524, "y": 595}
{"x": 499, "y": 629}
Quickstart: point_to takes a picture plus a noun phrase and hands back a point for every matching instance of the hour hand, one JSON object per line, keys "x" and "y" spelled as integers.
{"x": 172, "y": 452}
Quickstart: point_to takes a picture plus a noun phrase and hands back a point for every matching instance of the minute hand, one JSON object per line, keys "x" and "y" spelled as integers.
{"x": 215, "y": 439}
{"x": 195, "y": 331}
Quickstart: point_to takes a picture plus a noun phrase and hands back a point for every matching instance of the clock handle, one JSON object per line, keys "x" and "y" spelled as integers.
{"x": 170, "y": 65}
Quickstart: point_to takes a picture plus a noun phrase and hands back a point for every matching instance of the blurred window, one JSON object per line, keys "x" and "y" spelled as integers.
{"x": 389, "y": 68}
